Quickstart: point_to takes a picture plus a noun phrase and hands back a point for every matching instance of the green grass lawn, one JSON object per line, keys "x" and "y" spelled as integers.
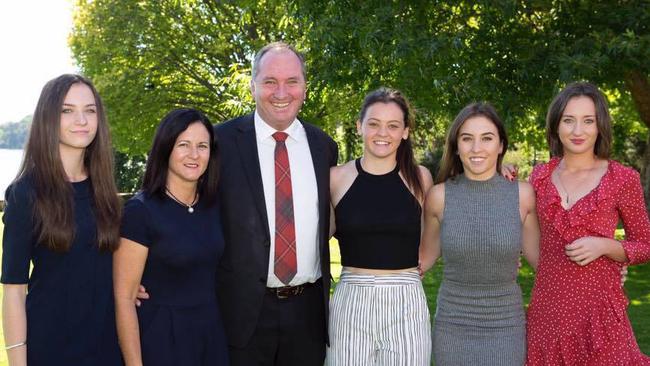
{"x": 637, "y": 288}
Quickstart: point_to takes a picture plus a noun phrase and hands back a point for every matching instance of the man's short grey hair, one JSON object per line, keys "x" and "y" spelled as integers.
{"x": 278, "y": 46}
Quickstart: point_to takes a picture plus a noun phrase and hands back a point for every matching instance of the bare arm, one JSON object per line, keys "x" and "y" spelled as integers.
{"x": 530, "y": 224}
{"x": 332, "y": 221}
{"x": 128, "y": 264}
{"x": 334, "y": 178}
{"x": 341, "y": 178}
{"x": 14, "y": 322}
{"x": 430, "y": 240}
{"x": 427, "y": 181}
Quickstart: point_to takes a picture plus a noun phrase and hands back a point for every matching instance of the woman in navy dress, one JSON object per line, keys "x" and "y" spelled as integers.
{"x": 171, "y": 243}
{"x": 62, "y": 215}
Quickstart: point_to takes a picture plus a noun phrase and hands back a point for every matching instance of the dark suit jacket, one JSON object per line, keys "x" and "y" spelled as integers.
{"x": 243, "y": 270}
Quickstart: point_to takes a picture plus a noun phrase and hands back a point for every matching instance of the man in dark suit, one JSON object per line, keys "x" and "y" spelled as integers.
{"x": 274, "y": 276}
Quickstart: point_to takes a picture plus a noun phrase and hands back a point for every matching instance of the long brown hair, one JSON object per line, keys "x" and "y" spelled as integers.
{"x": 42, "y": 166}
{"x": 451, "y": 165}
{"x": 603, "y": 119}
{"x": 405, "y": 157}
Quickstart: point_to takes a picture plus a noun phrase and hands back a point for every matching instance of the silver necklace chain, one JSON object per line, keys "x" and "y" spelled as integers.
{"x": 190, "y": 207}
{"x": 559, "y": 179}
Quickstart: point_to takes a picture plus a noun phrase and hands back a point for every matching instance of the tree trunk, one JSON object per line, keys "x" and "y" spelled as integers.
{"x": 639, "y": 86}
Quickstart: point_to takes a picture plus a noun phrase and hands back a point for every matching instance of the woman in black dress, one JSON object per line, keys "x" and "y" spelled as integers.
{"x": 62, "y": 214}
{"x": 379, "y": 314}
{"x": 171, "y": 243}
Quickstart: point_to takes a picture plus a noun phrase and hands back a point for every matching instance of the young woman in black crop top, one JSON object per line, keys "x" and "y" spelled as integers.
{"x": 379, "y": 313}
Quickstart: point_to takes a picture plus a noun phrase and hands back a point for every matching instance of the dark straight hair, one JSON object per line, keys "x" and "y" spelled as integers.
{"x": 603, "y": 119}
{"x": 405, "y": 157}
{"x": 53, "y": 200}
{"x": 171, "y": 126}
{"x": 451, "y": 164}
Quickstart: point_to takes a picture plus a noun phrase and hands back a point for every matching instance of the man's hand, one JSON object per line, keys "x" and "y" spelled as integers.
{"x": 142, "y": 295}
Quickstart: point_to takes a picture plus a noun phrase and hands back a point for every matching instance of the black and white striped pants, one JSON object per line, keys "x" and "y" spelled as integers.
{"x": 379, "y": 320}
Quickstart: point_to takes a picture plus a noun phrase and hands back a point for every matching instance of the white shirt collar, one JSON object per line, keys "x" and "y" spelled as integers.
{"x": 264, "y": 131}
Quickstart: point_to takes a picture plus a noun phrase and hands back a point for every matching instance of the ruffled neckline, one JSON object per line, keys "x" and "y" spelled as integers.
{"x": 577, "y": 215}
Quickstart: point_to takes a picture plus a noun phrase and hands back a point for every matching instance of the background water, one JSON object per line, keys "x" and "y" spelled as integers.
{"x": 9, "y": 163}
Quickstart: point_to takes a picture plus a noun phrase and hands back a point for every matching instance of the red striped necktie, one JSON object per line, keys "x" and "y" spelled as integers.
{"x": 286, "y": 266}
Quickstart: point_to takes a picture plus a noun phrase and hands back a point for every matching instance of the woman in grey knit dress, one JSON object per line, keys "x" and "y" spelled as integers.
{"x": 479, "y": 222}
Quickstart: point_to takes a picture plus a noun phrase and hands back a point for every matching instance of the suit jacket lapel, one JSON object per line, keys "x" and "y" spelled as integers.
{"x": 247, "y": 144}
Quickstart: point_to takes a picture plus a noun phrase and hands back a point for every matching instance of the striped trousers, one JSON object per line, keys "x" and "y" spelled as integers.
{"x": 379, "y": 320}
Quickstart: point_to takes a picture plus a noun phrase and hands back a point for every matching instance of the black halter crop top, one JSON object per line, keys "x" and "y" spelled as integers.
{"x": 378, "y": 222}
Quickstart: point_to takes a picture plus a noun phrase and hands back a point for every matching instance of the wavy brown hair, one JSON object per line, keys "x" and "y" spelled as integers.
{"x": 450, "y": 165}
{"x": 603, "y": 119}
{"x": 42, "y": 166}
{"x": 405, "y": 157}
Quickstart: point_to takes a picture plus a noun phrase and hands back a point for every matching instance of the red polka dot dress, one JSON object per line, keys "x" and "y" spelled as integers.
{"x": 577, "y": 315}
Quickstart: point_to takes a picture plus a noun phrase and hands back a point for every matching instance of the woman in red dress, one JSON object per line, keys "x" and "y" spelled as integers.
{"x": 577, "y": 314}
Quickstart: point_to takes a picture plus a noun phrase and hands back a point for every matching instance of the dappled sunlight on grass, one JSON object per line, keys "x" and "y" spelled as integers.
{"x": 637, "y": 288}
{"x": 635, "y": 302}
{"x": 335, "y": 259}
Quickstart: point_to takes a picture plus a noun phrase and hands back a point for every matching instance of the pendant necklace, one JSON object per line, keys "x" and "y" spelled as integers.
{"x": 559, "y": 179}
{"x": 190, "y": 207}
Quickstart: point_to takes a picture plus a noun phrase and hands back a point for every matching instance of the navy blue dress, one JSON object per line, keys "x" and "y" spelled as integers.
{"x": 70, "y": 309}
{"x": 180, "y": 324}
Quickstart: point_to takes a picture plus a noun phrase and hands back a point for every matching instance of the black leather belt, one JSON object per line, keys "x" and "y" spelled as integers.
{"x": 290, "y": 291}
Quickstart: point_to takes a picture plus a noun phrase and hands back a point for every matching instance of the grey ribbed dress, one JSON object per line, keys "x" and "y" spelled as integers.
{"x": 480, "y": 317}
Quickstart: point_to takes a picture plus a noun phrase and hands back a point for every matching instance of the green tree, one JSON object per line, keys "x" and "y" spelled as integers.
{"x": 13, "y": 135}
{"x": 151, "y": 56}
{"x": 129, "y": 170}
{"x": 148, "y": 57}
{"x": 515, "y": 54}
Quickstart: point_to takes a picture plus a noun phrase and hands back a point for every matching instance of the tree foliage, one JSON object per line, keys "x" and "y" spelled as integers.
{"x": 128, "y": 172}
{"x": 148, "y": 57}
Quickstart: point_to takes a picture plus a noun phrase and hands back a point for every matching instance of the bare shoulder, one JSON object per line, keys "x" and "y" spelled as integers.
{"x": 341, "y": 171}
{"x": 425, "y": 178}
{"x": 341, "y": 178}
{"x": 526, "y": 194}
{"x": 435, "y": 200}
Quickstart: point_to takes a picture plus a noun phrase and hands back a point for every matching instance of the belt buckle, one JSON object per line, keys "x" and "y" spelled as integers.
{"x": 281, "y": 294}
{"x": 287, "y": 292}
